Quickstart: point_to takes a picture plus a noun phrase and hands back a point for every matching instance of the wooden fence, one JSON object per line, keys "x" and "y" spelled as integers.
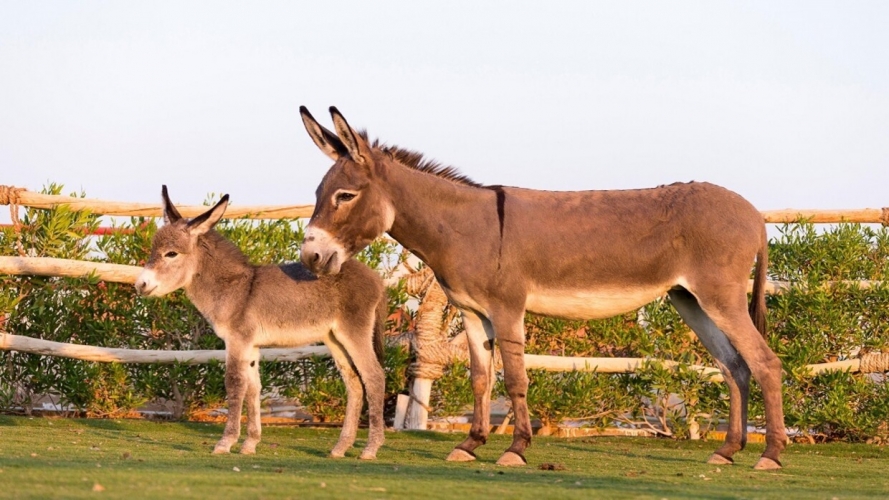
{"x": 417, "y": 413}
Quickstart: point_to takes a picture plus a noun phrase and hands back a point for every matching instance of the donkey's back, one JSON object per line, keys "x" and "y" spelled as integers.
{"x": 288, "y": 297}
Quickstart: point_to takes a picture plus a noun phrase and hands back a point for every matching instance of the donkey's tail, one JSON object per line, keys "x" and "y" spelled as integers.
{"x": 758, "y": 299}
{"x": 380, "y": 328}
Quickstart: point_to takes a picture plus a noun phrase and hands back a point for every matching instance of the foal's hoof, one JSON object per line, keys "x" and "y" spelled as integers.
{"x": 221, "y": 450}
{"x": 460, "y": 455}
{"x": 366, "y": 455}
{"x": 511, "y": 459}
{"x": 766, "y": 463}
{"x": 717, "y": 459}
{"x": 337, "y": 454}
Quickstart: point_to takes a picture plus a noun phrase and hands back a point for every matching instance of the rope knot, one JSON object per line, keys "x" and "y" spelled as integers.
{"x": 9, "y": 195}
{"x": 874, "y": 362}
{"x": 418, "y": 282}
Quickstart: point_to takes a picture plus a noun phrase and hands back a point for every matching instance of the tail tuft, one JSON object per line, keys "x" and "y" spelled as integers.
{"x": 380, "y": 328}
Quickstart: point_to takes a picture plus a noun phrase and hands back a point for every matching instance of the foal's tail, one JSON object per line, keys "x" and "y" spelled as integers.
{"x": 380, "y": 327}
{"x": 757, "y": 307}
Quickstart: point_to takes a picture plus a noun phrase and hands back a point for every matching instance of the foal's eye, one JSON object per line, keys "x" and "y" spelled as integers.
{"x": 344, "y": 197}
{"x": 170, "y": 255}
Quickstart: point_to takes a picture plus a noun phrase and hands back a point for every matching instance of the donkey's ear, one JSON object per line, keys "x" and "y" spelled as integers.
{"x": 171, "y": 215}
{"x": 354, "y": 143}
{"x": 326, "y": 140}
{"x": 205, "y": 222}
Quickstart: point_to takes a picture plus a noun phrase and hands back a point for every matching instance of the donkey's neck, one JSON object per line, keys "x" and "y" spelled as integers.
{"x": 432, "y": 211}
{"x": 223, "y": 278}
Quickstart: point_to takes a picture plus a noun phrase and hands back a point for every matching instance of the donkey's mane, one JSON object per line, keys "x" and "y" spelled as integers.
{"x": 416, "y": 161}
{"x": 212, "y": 240}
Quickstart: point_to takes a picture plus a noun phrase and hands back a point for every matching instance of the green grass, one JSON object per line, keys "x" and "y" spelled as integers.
{"x": 66, "y": 458}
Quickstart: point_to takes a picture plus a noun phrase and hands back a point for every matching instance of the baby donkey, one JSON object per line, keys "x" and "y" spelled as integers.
{"x": 273, "y": 306}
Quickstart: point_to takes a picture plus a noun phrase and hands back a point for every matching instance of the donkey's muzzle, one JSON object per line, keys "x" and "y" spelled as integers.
{"x": 321, "y": 253}
{"x": 144, "y": 285}
{"x": 320, "y": 262}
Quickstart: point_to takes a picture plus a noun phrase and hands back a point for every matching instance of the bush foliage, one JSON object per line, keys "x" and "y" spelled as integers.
{"x": 817, "y": 321}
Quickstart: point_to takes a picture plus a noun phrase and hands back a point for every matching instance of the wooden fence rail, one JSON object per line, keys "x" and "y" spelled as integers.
{"x": 20, "y": 197}
{"x": 14, "y": 196}
{"x": 871, "y": 363}
{"x": 119, "y": 273}
{"x": 10, "y": 342}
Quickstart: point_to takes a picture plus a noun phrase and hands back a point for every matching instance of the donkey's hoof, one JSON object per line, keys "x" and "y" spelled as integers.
{"x": 460, "y": 455}
{"x": 337, "y": 454}
{"x": 766, "y": 463}
{"x": 221, "y": 450}
{"x": 366, "y": 455}
{"x": 248, "y": 451}
{"x": 717, "y": 459}
{"x": 511, "y": 459}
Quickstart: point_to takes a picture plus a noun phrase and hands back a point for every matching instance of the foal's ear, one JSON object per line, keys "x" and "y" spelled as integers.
{"x": 171, "y": 215}
{"x": 205, "y": 222}
{"x": 326, "y": 140}
{"x": 354, "y": 143}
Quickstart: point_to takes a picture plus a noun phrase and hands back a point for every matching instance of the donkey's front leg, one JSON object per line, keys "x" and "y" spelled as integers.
{"x": 254, "y": 388}
{"x": 236, "y": 381}
{"x": 481, "y": 369}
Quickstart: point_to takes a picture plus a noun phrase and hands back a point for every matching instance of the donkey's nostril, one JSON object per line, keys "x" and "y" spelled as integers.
{"x": 316, "y": 257}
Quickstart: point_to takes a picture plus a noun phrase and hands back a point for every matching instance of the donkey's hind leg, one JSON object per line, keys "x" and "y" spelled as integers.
{"x": 732, "y": 365}
{"x": 727, "y": 307}
{"x": 354, "y": 397}
{"x": 254, "y": 388}
{"x": 358, "y": 345}
{"x": 481, "y": 369}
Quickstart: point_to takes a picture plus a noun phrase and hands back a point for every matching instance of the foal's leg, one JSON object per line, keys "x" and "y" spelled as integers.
{"x": 236, "y": 381}
{"x": 733, "y": 367}
{"x": 358, "y": 344}
{"x": 728, "y": 310}
{"x": 354, "y": 397}
{"x": 511, "y": 340}
{"x": 254, "y": 388}
{"x": 481, "y": 370}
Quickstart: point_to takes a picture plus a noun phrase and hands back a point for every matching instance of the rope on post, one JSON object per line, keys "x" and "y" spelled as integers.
{"x": 430, "y": 338}
{"x": 9, "y": 195}
{"x": 874, "y": 362}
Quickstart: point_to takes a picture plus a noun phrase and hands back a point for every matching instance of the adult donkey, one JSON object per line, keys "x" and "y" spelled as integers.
{"x": 500, "y": 251}
{"x": 273, "y": 306}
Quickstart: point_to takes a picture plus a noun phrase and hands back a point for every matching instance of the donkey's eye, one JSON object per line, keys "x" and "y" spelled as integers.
{"x": 344, "y": 197}
{"x": 170, "y": 255}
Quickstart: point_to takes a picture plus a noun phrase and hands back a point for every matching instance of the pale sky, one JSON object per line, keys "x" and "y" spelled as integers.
{"x": 786, "y": 103}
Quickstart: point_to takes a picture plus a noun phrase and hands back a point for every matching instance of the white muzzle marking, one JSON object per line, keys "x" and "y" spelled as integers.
{"x": 146, "y": 283}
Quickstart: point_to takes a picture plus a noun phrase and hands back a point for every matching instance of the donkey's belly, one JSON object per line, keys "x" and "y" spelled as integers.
{"x": 591, "y": 304}
{"x": 267, "y": 335}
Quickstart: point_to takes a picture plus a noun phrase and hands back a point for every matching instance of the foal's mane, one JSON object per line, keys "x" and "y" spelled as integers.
{"x": 415, "y": 160}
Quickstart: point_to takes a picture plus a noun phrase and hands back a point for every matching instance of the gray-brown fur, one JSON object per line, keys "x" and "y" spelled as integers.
{"x": 500, "y": 251}
{"x": 273, "y": 306}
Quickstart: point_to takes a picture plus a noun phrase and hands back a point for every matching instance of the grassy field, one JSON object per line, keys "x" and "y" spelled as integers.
{"x": 76, "y": 458}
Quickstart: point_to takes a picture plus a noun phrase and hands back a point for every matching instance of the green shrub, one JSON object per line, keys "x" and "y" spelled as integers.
{"x": 816, "y": 321}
